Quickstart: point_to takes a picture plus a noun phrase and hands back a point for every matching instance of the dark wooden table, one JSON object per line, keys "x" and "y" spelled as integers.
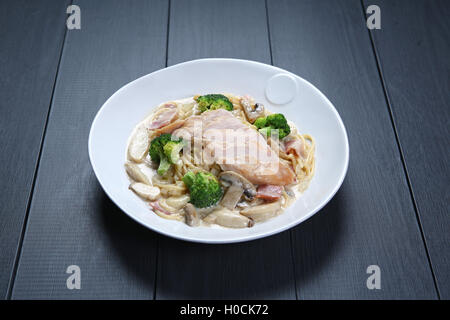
{"x": 391, "y": 87}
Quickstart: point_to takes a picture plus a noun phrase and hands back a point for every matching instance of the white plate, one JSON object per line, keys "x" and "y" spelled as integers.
{"x": 303, "y": 104}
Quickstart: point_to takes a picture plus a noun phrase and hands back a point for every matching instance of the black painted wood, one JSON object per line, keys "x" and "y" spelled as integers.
{"x": 31, "y": 37}
{"x": 71, "y": 220}
{"x": 413, "y": 46}
{"x": 258, "y": 269}
{"x": 371, "y": 221}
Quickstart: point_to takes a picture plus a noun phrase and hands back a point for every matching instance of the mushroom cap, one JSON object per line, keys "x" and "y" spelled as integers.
{"x": 252, "y": 111}
{"x": 232, "y": 177}
{"x": 229, "y": 178}
{"x": 191, "y": 215}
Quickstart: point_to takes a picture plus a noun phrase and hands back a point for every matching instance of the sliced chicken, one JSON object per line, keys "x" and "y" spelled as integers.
{"x": 167, "y": 115}
{"x": 170, "y": 127}
{"x": 296, "y": 147}
{"x": 236, "y": 146}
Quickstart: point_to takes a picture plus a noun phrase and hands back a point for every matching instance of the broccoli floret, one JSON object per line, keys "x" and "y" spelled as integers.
{"x": 273, "y": 121}
{"x": 164, "y": 166}
{"x": 260, "y": 122}
{"x": 159, "y": 154}
{"x": 189, "y": 179}
{"x": 278, "y": 121}
{"x": 214, "y": 102}
{"x": 204, "y": 189}
{"x": 157, "y": 145}
{"x": 266, "y": 131}
{"x": 172, "y": 150}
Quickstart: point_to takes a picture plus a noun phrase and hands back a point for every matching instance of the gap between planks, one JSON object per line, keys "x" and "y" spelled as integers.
{"x": 30, "y": 196}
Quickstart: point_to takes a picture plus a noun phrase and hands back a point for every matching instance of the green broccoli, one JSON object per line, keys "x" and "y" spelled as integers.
{"x": 214, "y": 102}
{"x": 189, "y": 179}
{"x": 260, "y": 122}
{"x": 172, "y": 150}
{"x": 164, "y": 150}
{"x": 204, "y": 188}
{"x": 266, "y": 131}
{"x": 164, "y": 166}
{"x": 273, "y": 121}
{"x": 157, "y": 145}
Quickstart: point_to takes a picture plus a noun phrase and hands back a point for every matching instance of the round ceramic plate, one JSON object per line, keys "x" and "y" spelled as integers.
{"x": 279, "y": 91}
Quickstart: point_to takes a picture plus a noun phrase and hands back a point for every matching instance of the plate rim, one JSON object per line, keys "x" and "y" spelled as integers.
{"x": 241, "y": 238}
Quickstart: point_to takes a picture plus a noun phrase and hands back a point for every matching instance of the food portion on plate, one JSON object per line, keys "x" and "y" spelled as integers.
{"x": 218, "y": 159}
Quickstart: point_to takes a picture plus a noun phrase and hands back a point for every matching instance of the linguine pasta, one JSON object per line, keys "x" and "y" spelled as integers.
{"x": 168, "y": 195}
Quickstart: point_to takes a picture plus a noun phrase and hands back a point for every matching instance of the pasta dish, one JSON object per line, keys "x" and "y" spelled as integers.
{"x": 218, "y": 159}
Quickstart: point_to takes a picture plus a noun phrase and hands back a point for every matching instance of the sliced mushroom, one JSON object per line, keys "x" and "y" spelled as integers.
{"x": 170, "y": 190}
{"x": 139, "y": 144}
{"x": 242, "y": 205}
{"x": 230, "y": 219}
{"x": 203, "y": 213}
{"x": 262, "y": 212}
{"x": 163, "y": 213}
{"x": 252, "y": 111}
{"x": 232, "y": 196}
{"x": 178, "y": 202}
{"x": 210, "y": 218}
{"x": 136, "y": 173}
{"x": 237, "y": 186}
{"x": 145, "y": 191}
{"x": 191, "y": 216}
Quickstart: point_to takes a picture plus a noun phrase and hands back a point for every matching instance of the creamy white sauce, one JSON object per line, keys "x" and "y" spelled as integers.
{"x": 148, "y": 170}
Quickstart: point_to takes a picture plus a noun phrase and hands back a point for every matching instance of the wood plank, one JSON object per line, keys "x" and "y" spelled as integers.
{"x": 31, "y": 37}
{"x": 414, "y": 47}
{"x": 257, "y": 269}
{"x": 71, "y": 221}
{"x": 371, "y": 221}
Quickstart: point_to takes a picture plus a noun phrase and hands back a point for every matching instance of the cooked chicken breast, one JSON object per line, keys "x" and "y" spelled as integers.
{"x": 236, "y": 146}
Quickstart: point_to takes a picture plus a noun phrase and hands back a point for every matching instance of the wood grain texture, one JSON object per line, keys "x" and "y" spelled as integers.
{"x": 413, "y": 46}
{"x": 218, "y": 29}
{"x": 71, "y": 220}
{"x": 259, "y": 269}
{"x": 371, "y": 220}
{"x": 31, "y": 37}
